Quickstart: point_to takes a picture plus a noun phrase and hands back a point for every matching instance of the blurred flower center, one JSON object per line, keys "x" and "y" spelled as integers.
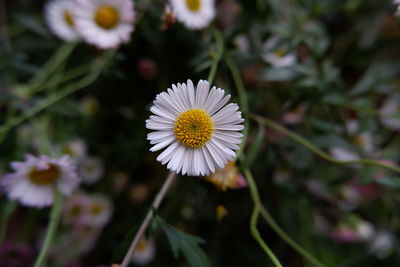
{"x": 359, "y": 140}
{"x": 75, "y": 210}
{"x": 107, "y": 17}
{"x": 193, "y": 128}
{"x": 46, "y": 176}
{"x": 96, "y": 209}
{"x": 193, "y": 5}
{"x": 279, "y": 53}
{"x": 68, "y": 18}
{"x": 90, "y": 168}
{"x": 141, "y": 245}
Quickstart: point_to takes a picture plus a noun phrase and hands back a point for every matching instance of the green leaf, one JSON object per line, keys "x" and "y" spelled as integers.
{"x": 389, "y": 182}
{"x": 185, "y": 243}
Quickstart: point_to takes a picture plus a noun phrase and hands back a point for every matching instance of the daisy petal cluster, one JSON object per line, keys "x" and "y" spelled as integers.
{"x": 60, "y": 19}
{"x": 195, "y": 14}
{"x": 34, "y": 180}
{"x": 199, "y": 130}
{"x": 103, "y": 23}
{"x": 145, "y": 252}
{"x": 277, "y": 54}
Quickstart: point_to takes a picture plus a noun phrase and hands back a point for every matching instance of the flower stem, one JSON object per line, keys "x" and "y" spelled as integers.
{"x": 316, "y": 150}
{"x": 155, "y": 205}
{"x": 217, "y": 56}
{"x": 50, "y": 66}
{"x": 254, "y": 218}
{"x": 55, "y": 216}
{"x": 7, "y": 211}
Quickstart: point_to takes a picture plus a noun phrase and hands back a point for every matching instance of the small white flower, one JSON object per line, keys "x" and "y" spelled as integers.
{"x": 382, "y": 244}
{"x": 98, "y": 210}
{"x": 104, "y": 23}
{"x": 195, "y": 14}
{"x": 74, "y": 208}
{"x": 343, "y": 154}
{"x": 75, "y": 149}
{"x": 60, "y": 19}
{"x": 90, "y": 169}
{"x": 365, "y": 230}
{"x": 199, "y": 130}
{"x": 277, "y": 55}
{"x": 390, "y": 108}
{"x": 33, "y": 181}
{"x": 144, "y": 252}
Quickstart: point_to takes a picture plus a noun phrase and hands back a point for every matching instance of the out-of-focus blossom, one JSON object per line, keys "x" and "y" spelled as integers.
{"x": 227, "y": 177}
{"x": 147, "y": 68}
{"x": 144, "y": 252}
{"x": 139, "y": 193}
{"x": 281, "y": 176}
{"x": 397, "y": 3}
{"x": 15, "y": 254}
{"x": 365, "y": 230}
{"x": 228, "y": 11}
{"x": 75, "y": 149}
{"x": 365, "y": 141}
{"x": 197, "y": 128}
{"x": 390, "y": 108}
{"x": 295, "y": 115}
{"x": 242, "y": 43}
{"x": 74, "y": 208}
{"x": 382, "y": 244}
{"x": 350, "y": 197}
{"x": 98, "y": 210}
{"x": 90, "y": 169}
{"x": 221, "y": 212}
{"x": 60, "y": 19}
{"x": 195, "y": 14}
{"x": 33, "y": 181}
{"x": 104, "y": 23}
{"x": 277, "y": 54}
{"x": 343, "y": 154}
{"x": 119, "y": 182}
{"x": 89, "y": 105}
{"x": 344, "y": 234}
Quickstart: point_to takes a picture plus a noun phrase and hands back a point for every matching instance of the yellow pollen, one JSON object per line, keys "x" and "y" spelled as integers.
{"x": 96, "y": 209}
{"x": 279, "y": 53}
{"x": 193, "y": 5}
{"x": 107, "y": 17}
{"x": 193, "y": 128}
{"x": 69, "y": 18}
{"x": 46, "y": 176}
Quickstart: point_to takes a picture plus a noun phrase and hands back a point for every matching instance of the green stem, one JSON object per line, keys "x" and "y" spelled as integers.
{"x": 318, "y": 151}
{"x": 51, "y": 65}
{"x": 8, "y": 210}
{"x": 217, "y": 56}
{"x": 242, "y": 98}
{"x": 52, "y": 99}
{"x": 271, "y": 222}
{"x": 55, "y": 216}
{"x": 254, "y": 218}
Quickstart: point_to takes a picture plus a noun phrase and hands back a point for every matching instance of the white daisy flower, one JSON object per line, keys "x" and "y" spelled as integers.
{"x": 74, "y": 208}
{"x": 144, "y": 252}
{"x": 60, "y": 20}
{"x": 98, "y": 210}
{"x": 277, "y": 54}
{"x": 33, "y": 181}
{"x": 389, "y": 108}
{"x": 104, "y": 23}
{"x": 90, "y": 169}
{"x": 75, "y": 149}
{"x": 195, "y": 14}
{"x": 199, "y": 130}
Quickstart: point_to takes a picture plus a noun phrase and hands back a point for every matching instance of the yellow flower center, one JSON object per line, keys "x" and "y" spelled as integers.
{"x": 193, "y": 128}
{"x": 96, "y": 209}
{"x": 193, "y": 5}
{"x": 279, "y": 53}
{"x": 107, "y": 17}
{"x": 75, "y": 210}
{"x": 68, "y": 18}
{"x": 141, "y": 245}
{"x": 46, "y": 176}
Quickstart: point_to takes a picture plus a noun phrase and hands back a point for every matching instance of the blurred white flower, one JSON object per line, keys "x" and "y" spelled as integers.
{"x": 98, "y": 210}
{"x": 365, "y": 230}
{"x": 390, "y": 107}
{"x": 60, "y": 19}
{"x": 74, "y": 208}
{"x": 199, "y": 130}
{"x": 90, "y": 169}
{"x": 33, "y": 181}
{"x": 75, "y": 149}
{"x": 144, "y": 252}
{"x": 294, "y": 115}
{"x": 343, "y": 154}
{"x": 104, "y": 23}
{"x": 277, "y": 55}
{"x": 195, "y": 14}
{"x": 382, "y": 244}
